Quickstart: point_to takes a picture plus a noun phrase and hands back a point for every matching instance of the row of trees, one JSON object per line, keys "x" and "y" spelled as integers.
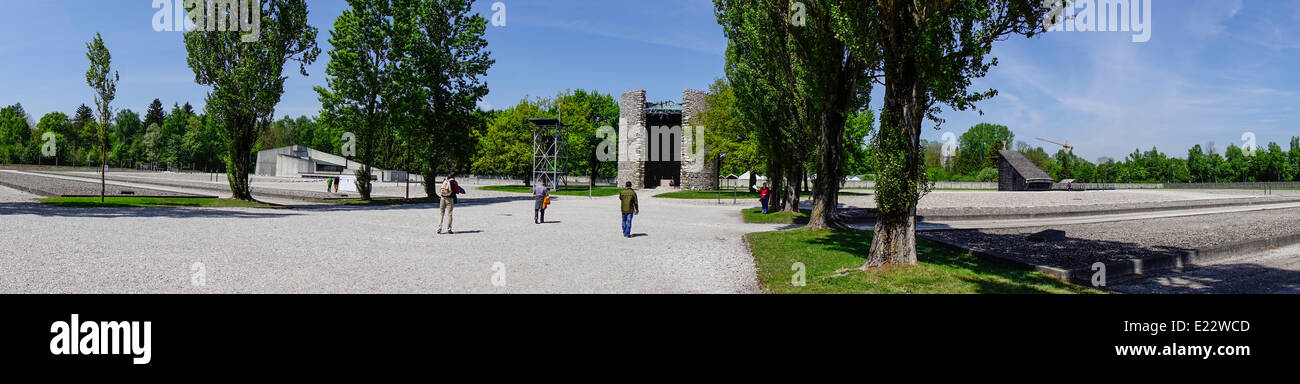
{"x": 976, "y": 160}
{"x": 736, "y": 142}
{"x": 180, "y": 139}
{"x": 405, "y": 76}
{"x": 505, "y": 143}
{"x": 800, "y": 71}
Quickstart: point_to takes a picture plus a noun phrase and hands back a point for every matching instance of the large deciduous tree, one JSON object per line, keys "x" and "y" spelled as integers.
{"x": 584, "y": 113}
{"x": 505, "y": 146}
{"x": 103, "y": 80}
{"x": 758, "y": 68}
{"x": 930, "y": 52}
{"x": 247, "y": 78}
{"x": 445, "y": 58}
{"x": 361, "y": 88}
{"x": 813, "y": 54}
{"x": 979, "y": 146}
{"x": 728, "y": 132}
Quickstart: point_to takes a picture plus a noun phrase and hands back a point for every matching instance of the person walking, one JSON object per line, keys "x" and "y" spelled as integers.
{"x": 542, "y": 194}
{"x": 764, "y": 195}
{"x": 329, "y": 184}
{"x": 448, "y": 191}
{"x": 337, "y": 181}
{"x": 630, "y": 208}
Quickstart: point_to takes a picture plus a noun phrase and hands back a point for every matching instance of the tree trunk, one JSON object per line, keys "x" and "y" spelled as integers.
{"x": 237, "y": 173}
{"x": 431, "y": 178}
{"x": 103, "y": 177}
{"x": 895, "y": 240}
{"x": 792, "y": 188}
{"x": 776, "y": 185}
{"x": 830, "y": 174}
{"x": 753, "y": 180}
{"x": 898, "y": 186}
{"x": 595, "y": 170}
{"x": 364, "y": 186}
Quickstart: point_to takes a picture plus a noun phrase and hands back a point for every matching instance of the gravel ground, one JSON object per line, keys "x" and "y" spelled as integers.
{"x": 1123, "y": 240}
{"x": 979, "y": 203}
{"x": 310, "y": 190}
{"x": 1001, "y": 200}
{"x": 10, "y": 195}
{"x": 55, "y": 186}
{"x": 332, "y": 249}
{"x": 299, "y": 188}
{"x": 1274, "y": 271}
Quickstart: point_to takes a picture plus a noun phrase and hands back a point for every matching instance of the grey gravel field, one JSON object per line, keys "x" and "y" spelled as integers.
{"x": 53, "y": 185}
{"x": 1272, "y": 271}
{"x": 1123, "y": 240}
{"x": 334, "y": 249}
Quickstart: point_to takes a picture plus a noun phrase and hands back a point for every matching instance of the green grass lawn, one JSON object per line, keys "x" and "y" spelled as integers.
{"x": 563, "y": 191}
{"x": 136, "y": 202}
{"x": 756, "y": 216}
{"x": 940, "y": 270}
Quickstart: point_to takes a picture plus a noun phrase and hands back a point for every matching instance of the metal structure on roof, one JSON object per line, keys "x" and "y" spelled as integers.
{"x": 548, "y": 160}
{"x": 663, "y": 108}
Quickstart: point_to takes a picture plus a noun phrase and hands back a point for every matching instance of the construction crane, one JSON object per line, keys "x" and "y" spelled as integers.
{"x": 1068, "y": 148}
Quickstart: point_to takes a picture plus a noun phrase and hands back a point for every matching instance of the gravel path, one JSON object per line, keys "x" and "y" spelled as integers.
{"x": 331, "y": 249}
{"x": 10, "y": 195}
{"x": 943, "y": 201}
{"x": 1275, "y": 271}
{"x": 55, "y": 185}
{"x": 1123, "y": 240}
{"x": 859, "y": 205}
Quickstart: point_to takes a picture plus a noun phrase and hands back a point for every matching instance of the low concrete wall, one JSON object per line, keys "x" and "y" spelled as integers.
{"x": 506, "y": 180}
{"x": 867, "y": 184}
{"x": 1284, "y": 184}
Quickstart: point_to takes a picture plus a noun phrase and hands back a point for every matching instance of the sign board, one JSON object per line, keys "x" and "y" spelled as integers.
{"x": 347, "y": 183}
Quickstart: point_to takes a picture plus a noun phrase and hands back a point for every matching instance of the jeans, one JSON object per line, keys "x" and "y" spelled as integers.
{"x": 539, "y": 209}
{"x": 627, "y": 224}
{"x": 764, "y": 201}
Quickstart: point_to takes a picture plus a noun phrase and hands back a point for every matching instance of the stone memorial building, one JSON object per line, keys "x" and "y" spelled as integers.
{"x": 655, "y": 143}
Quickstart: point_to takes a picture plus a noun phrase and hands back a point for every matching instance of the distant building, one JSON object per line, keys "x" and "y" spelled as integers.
{"x": 300, "y": 161}
{"x": 1018, "y": 173}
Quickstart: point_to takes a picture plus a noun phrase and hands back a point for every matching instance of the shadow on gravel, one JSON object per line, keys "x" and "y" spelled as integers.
{"x": 1243, "y": 278}
{"x": 464, "y": 202}
{"x": 1070, "y": 253}
{"x": 46, "y": 210}
{"x": 1062, "y": 252}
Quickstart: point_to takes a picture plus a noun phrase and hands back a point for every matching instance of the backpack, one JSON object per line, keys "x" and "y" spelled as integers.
{"x": 445, "y": 189}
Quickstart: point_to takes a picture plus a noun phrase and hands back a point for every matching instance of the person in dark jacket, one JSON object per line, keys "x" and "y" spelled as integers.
{"x": 540, "y": 192}
{"x": 629, "y": 208}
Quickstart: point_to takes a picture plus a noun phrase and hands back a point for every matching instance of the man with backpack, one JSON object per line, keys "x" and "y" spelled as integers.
{"x": 448, "y": 192}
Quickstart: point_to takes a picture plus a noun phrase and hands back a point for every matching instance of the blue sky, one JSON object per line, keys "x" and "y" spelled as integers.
{"x": 1212, "y": 70}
